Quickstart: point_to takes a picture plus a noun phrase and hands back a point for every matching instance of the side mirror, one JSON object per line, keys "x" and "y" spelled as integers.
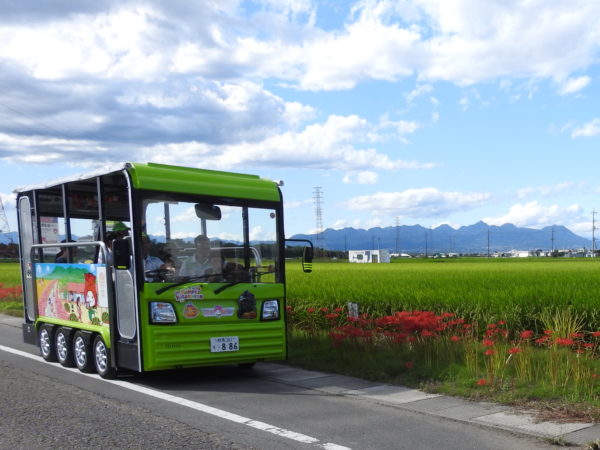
{"x": 122, "y": 254}
{"x": 307, "y": 254}
{"x": 207, "y": 211}
{"x": 307, "y": 259}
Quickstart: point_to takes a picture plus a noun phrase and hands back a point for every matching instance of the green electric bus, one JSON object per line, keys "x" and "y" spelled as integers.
{"x": 145, "y": 267}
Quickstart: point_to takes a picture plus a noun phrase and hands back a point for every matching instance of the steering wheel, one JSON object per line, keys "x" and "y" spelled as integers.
{"x": 159, "y": 274}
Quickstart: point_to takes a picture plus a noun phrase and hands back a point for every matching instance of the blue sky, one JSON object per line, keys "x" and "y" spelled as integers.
{"x": 411, "y": 111}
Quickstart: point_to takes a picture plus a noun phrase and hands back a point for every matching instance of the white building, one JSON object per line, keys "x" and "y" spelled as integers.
{"x": 369, "y": 256}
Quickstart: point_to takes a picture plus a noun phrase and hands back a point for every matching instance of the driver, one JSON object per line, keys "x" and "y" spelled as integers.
{"x": 202, "y": 262}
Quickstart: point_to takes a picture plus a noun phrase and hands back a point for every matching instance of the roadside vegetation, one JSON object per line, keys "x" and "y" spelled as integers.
{"x": 11, "y": 293}
{"x": 523, "y": 332}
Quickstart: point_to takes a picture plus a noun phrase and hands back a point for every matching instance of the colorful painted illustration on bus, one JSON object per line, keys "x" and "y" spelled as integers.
{"x": 73, "y": 292}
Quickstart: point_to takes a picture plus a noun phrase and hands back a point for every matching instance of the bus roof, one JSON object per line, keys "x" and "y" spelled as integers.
{"x": 166, "y": 178}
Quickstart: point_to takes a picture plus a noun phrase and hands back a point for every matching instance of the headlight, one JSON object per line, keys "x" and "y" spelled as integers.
{"x": 270, "y": 310}
{"x": 161, "y": 312}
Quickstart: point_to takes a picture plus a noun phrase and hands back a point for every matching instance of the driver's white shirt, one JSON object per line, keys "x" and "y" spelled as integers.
{"x": 152, "y": 263}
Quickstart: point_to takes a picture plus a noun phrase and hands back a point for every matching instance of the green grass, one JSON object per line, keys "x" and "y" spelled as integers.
{"x": 478, "y": 289}
{"x": 10, "y": 275}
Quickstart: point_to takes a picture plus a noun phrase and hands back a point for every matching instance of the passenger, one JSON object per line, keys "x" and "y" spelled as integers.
{"x": 63, "y": 255}
{"x": 151, "y": 263}
{"x": 201, "y": 263}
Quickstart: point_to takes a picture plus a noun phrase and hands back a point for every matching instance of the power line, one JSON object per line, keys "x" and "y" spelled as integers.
{"x": 317, "y": 198}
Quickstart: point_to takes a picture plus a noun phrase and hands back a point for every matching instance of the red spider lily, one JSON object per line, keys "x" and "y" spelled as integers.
{"x": 338, "y": 310}
{"x": 491, "y": 326}
{"x": 588, "y": 345}
{"x": 482, "y": 382}
{"x": 527, "y": 334}
{"x": 488, "y": 342}
{"x": 489, "y": 352}
{"x": 514, "y": 350}
{"x": 548, "y": 332}
{"x": 595, "y": 333}
{"x": 289, "y": 309}
{"x": 324, "y": 310}
{"x": 409, "y": 364}
{"x": 455, "y": 338}
{"x": 542, "y": 340}
{"x": 564, "y": 341}
{"x": 11, "y": 292}
{"x": 332, "y": 316}
{"x": 310, "y": 310}
{"x": 576, "y": 335}
{"x": 502, "y": 322}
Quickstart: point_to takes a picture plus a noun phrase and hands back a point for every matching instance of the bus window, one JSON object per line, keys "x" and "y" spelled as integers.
{"x": 195, "y": 239}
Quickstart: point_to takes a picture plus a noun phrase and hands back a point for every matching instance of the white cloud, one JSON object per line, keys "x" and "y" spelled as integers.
{"x": 364, "y": 177}
{"x": 588, "y": 130}
{"x": 419, "y": 91}
{"x": 574, "y": 85}
{"x": 536, "y": 215}
{"x": 328, "y": 145}
{"x": 419, "y": 203}
{"x": 549, "y": 189}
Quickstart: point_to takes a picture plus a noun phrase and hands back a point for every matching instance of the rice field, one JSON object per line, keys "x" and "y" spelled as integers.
{"x": 478, "y": 289}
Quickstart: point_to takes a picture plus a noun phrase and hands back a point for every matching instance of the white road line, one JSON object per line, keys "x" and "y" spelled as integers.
{"x": 298, "y": 437}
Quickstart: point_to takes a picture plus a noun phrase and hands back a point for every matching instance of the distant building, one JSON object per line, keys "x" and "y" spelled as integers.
{"x": 369, "y": 256}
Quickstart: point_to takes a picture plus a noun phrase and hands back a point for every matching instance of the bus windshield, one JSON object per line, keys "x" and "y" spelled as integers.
{"x": 187, "y": 239}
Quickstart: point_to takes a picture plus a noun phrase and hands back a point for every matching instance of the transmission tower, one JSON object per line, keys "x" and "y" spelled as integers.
{"x": 4, "y": 228}
{"x": 318, "y": 198}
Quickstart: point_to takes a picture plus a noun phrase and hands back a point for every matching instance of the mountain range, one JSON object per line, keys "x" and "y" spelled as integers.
{"x": 442, "y": 239}
{"x": 445, "y": 239}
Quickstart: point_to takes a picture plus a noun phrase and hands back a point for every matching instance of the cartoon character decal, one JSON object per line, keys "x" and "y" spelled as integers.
{"x": 71, "y": 292}
{"x": 90, "y": 290}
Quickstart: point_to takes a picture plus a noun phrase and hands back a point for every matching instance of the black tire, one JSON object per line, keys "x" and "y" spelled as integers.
{"x": 46, "y": 343}
{"x": 64, "y": 347}
{"x": 246, "y": 366}
{"x": 102, "y": 361}
{"x": 82, "y": 353}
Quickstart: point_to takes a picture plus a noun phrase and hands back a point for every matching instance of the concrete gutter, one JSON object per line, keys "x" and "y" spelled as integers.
{"x": 477, "y": 413}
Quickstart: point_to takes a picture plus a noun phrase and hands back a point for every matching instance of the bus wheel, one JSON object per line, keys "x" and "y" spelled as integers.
{"x": 102, "y": 360}
{"x": 47, "y": 349}
{"x": 81, "y": 353}
{"x": 64, "y": 350}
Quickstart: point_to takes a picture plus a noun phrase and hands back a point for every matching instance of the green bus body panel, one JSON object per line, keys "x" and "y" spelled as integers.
{"x": 161, "y": 177}
{"x": 187, "y": 343}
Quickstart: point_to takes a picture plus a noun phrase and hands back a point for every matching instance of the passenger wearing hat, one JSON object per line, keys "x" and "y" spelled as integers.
{"x": 120, "y": 229}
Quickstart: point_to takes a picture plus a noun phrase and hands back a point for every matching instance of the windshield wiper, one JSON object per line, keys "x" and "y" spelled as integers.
{"x": 228, "y": 285}
{"x": 185, "y": 281}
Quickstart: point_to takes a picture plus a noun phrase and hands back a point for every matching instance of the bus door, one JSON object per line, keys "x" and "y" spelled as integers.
{"x": 26, "y": 236}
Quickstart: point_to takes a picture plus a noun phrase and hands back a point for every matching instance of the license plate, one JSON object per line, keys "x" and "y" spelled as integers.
{"x": 224, "y": 344}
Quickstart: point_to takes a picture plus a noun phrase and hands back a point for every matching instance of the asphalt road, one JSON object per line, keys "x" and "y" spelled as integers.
{"x": 46, "y": 405}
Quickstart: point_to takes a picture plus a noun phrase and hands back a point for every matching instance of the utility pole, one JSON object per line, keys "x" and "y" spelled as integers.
{"x": 488, "y": 233}
{"x": 425, "y": 243}
{"x": 397, "y": 235}
{"x": 552, "y": 239}
{"x": 593, "y": 233}
{"x": 317, "y": 198}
